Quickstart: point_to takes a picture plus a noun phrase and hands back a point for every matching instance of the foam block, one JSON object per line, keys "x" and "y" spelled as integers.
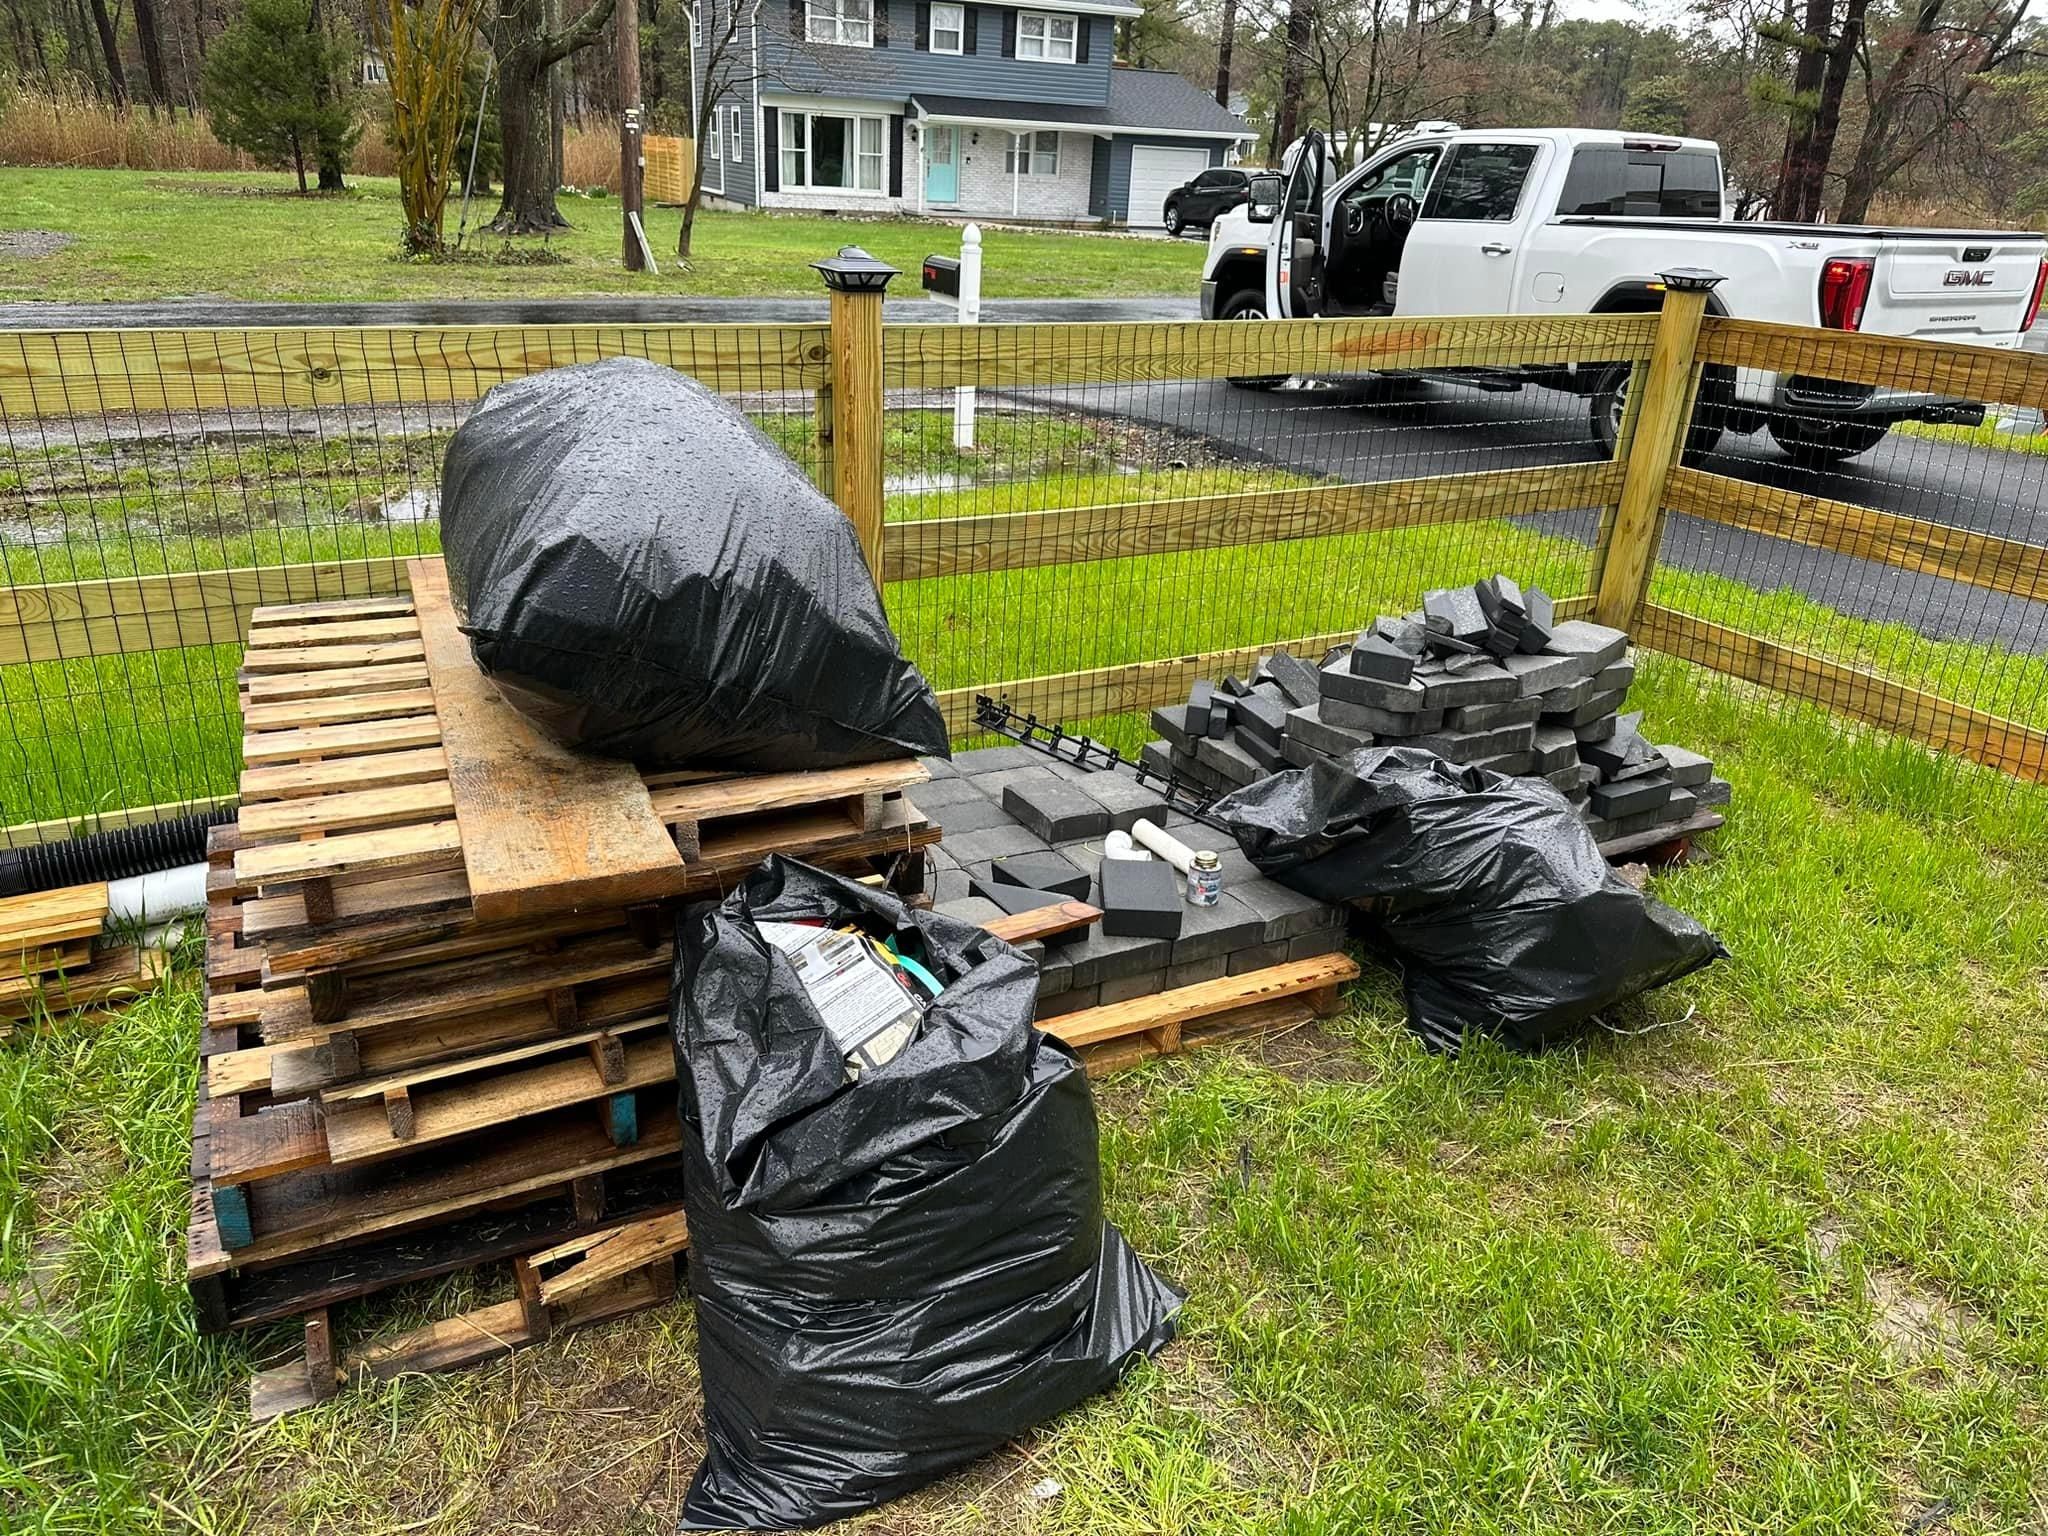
{"x": 1042, "y": 872}
{"x": 1140, "y": 900}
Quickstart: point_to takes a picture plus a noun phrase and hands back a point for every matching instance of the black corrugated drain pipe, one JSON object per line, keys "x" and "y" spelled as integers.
{"x": 119, "y": 853}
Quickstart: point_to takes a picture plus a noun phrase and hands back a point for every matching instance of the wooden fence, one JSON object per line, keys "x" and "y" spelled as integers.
{"x": 849, "y": 366}
{"x": 671, "y": 166}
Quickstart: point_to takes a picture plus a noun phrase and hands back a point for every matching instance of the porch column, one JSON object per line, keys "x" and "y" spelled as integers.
{"x": 1016, "y": 173}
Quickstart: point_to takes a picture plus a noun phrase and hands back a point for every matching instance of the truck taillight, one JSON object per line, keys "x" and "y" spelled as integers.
{"x": 1844, "y": 290}
{"x": 2034, "y": 304}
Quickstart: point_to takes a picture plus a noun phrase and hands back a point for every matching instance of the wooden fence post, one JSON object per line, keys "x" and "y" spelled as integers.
{"x": 856, "y": 281}
{"x": 1662, "y": 415}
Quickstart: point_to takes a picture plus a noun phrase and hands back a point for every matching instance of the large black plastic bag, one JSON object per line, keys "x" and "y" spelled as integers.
{"x": 895, "y": 1276}
{"x": 1489, "y": 890}
{"x": 647, "y": 576}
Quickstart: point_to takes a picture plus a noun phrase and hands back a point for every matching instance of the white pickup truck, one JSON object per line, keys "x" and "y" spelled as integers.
{"x": 1581, "y": 221}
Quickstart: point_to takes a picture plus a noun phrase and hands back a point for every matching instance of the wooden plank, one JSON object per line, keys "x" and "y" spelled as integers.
{"x": 1941, "y": 723}
{"x": 1657, "y": 837}
{"x": 60, "y": 829}
{"x": 330, "y": 610}
{"x": 489, "y": 1061}
{"x": 1889, "y": 362}
{"x": 544, "y": 829}
{"x": 293, "y": 713}
{"x": 748, "y": 794}
{"x": 350, "y": 810}
{"x": 603, "y": 1257}
{"x": 101, "y": 372}
{"x": 1092, "y": 1026}
{"x": 60, "y": 916}
{"x": 334, "y": 632}
{"x": 359, "y": 1132}
{"x": 1072, "y": 696}
{"x": 34, "y": 960}
{"x": 932, "y": 356}
{"x": 1905, "y": 543}
{"x": 349, "y": 853}
{"x": 335, "y": 682}
{"x": 426, "y": 897}
{"x": 1629, "y": 552}
{"x": 1043, "y": 922}
{"x": 369, "y": 948}
{"x": 311, "y": 658}
{"x": 380, "y": 770}
{"x": 856, "y": 353}
{"x": 358, "y": 739}
{"x": 276, "y": 1140}
{"x": 154, "y": 613}
{"x": 952, "y": 546}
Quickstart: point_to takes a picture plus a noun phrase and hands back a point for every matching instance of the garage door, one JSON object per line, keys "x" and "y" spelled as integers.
{"x": 1156, "y": 172}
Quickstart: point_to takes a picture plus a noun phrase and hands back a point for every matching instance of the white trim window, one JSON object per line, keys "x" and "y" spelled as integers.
{"x": 715, "y": 147}
{"x": 732, "y": 134}
{"x": 851, "y": 22}
{"x": 1050, "y": 38}
{"x": 1039, "y": 151}
{"x": 949, "y": 29}
{"x": 826, "y": 151}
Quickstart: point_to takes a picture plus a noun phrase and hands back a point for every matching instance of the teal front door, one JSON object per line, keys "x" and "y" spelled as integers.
{"x": 941, "y": 164}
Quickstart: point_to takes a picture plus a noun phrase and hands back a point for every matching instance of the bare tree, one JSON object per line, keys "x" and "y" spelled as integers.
{"x": 1226, "y": 41}
{"x": 425, "y": 46}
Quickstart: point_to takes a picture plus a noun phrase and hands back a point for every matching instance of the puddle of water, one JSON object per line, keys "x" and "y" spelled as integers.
{"x": 421, "y": 506}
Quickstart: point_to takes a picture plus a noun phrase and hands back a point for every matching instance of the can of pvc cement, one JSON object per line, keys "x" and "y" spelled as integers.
{"x": 1205, "y": 879}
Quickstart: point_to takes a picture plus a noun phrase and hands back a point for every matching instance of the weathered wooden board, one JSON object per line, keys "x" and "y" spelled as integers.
{"x": 1167, "y": 1010}
{"x": 1889, "y": 362}
{"x": 544, "y": 829}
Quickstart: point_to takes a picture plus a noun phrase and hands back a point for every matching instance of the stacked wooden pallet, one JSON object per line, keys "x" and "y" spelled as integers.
{"x": 54, "y": 960}
{"x": 438, "y": 972}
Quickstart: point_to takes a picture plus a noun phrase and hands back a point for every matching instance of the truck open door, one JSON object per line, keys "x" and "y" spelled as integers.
{"x": 1294, "y": 281}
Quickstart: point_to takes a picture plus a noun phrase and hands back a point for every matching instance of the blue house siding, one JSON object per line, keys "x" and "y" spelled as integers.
{"x": 901, "y": 69}
{"x": 740, "y": 179}
{"x": 1119, "y": 199}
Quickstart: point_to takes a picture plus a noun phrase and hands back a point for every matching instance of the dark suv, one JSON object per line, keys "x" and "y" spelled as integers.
{"x": 1195, "y": 204}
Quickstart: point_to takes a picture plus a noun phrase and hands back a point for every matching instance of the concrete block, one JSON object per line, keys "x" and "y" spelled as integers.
{"x": 1540, "y": 674}
{"x": 1555, "y": 747}
{"x": 993, "y": 843}
{"x": 1140, "y": 899}
{"x": 1157, "y": 756}
{"x": 1296, "y": 679}
{"x": 1642, "y": 821}
{"x": 1455, "y": 611}
{"x": 949, "y": 791}
{"x": 1688, "y": 769}
{"x": 1258, "y": 957}
{"x": 1594, "y": 730}
{"x": 1715, "y": 792}
{"x": 1012, "y": 899}
{"x": 1195, "y": 972}
{"x": 1266, "y": 755}
{"x": 1308, "y": 945}
{"x": 1287, "y": 913}
{"x": 937, "y": 767}
{"x": 1195, "y": 713}
{"x": 994, "y": 783}
{"x": 1471, "y": 746}
{"x": 1057, "y": 811}
{"x": 1595, "y": 642}
{"x": 1261, "y": 716}
{"x": 1513, "y": 764}
{"x": 1299, "y": 754}
{"x": 1682, "y": 805}
{"x": 1217, "y": 930}
{"x": 1619, "y": 675}
{"x": 1483, "y": 683}
{"x": 970, "y": 909}
{"x": 1380, "y": 659}
{"x": 1123, "y": 799}
{"x": 1364, "y": 720}
{"x": 966, "y": 816}
{"x": 994, "y": 760}
{"x": 1487, "y": 717}
{"x": 950, "y": 885}
{"x": 1044, "y": 872}
{"x": 1617, "y": 801}
{"x": 1541, "y": 618}
{"x": 1565, "y": 779}
{"x": 1625, "y": 754}
{"x": 1171, "y": 722}
{"x": 1308, "y": 727}
{"x": 1339, "y": 682}
{"x": 1228, "y": 761}
{"x": 1595, "y": 707}
{"x": 1100, "y": 957}
{"x": 1124, "y": 988}
{"x": 1562, "y": 701}
{"x": 1072, "y": 1000}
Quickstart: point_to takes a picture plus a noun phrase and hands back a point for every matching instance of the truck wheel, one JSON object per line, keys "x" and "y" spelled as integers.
{"x": 1245, "y": 304}
{"x": 1173, "y": 221}
{"x": 1818, "y": 443}
{"x": 1608, "y": 408}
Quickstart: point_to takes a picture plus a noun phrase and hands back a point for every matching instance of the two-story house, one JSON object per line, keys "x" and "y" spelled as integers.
{"x": 948, "y": 107}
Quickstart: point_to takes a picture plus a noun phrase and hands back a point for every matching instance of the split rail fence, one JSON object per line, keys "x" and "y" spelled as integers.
{"x": 1124, "y": 522}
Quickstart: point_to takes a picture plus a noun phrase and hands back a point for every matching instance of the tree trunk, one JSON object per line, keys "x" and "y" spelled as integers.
{"x": 1807, "y": 77}
{"x": 1827, "y": 121}
{"x": 299, "y": 162}
{"x": 331, "y": 160}
{"x": 1293, "y": 70}
{"x": 527, "y": 52}
{"x": 110, "y": 49}
{"x": 150, "y": 41}
{"x": 1225, "y": 44}
{"x": 1868, "y": 172}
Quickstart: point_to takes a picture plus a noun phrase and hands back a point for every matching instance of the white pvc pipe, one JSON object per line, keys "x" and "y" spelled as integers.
{"x": 1118, "y": 846}
{"x": 1163, "y": 843}
{"x": 156, "y": 898}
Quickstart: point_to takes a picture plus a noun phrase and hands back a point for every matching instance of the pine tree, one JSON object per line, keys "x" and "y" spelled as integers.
{"x": 264, "y": 86}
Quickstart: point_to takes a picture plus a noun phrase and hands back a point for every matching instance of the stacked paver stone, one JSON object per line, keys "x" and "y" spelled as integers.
{"x": 1482, "y": 675}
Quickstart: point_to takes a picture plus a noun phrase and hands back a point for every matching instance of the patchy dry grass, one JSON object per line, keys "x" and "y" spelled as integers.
{"x": 1778, "y": 1265}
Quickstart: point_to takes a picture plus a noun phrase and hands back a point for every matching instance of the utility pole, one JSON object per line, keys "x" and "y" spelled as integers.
{"x": 1226, "y": 44}
{"x": 632, "y": 228}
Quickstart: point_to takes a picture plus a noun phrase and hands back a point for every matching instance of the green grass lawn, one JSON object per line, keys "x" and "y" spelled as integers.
{"x": 159, "y": 235}
{"x": 1772, "y": 1258}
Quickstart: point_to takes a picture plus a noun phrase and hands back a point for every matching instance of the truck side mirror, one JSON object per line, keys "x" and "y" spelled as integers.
{"x": 1261, "y": 213}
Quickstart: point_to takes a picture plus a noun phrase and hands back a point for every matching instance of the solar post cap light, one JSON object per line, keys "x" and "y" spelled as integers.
{"x": 853, "y": 270}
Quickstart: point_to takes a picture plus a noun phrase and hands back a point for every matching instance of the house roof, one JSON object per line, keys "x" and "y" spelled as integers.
{"x": 1140, "y": 101}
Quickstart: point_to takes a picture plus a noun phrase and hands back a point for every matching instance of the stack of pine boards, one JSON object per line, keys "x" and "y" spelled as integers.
{"x": 437, "y": 988}
{"x": 54, "y": 959}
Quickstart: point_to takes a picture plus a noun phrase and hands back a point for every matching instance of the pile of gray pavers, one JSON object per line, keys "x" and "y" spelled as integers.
{"x": 1483, "y": 675}
{"x": 1012, "y": 815}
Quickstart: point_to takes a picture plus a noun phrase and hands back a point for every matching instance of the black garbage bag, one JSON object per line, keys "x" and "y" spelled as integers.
{"x": 1489, "y": 890}
{"x": 897, "y": 1275}
{"x": 647, "y": 576}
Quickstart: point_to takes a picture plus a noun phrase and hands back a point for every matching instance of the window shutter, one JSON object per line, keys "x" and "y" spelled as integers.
{"x": 796, "y": 19}
{"x": 771, "y": 150}
{"x": 881, "y": 23}
{"x": 896, "y": 154}
{"x": 924, "y": 26}
{"x": 1009, "y": 34}
{"x": 1083, "y": 25}
{"x": 970, "y": 41}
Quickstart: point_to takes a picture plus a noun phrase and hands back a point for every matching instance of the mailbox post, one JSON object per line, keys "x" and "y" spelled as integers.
{"x": 958, "y": 282}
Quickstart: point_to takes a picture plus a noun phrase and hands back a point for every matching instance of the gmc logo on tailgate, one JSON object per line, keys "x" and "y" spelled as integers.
{"x": 1962, "y": 277}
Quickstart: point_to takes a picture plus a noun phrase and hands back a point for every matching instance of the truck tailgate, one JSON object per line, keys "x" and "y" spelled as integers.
{"x": 1963, "y": 288}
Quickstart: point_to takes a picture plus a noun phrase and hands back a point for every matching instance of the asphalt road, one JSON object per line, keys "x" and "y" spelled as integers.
{"x": 1372, "y": 432}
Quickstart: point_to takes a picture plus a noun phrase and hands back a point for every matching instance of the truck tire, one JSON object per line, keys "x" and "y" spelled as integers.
{"x": 1608, "y": 405}
{"x": 1819, "y": 443}
{"x": 1246, "y": 304}
{"x": 1173, "y": 221}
